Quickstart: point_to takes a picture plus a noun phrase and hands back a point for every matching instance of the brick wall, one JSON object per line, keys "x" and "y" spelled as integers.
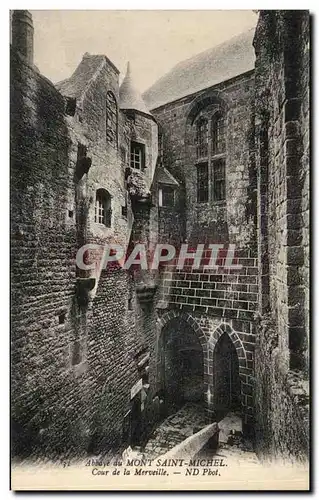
{"x": 208, "y": 331}
{"x": 225, "y": 293}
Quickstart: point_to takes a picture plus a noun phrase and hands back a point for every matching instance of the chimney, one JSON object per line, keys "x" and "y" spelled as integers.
{"x": 22, "y": 34}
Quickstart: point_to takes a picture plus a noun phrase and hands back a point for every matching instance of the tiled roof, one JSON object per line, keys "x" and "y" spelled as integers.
{"x": 215, "y": 65}
{"x": 77, "y": 83}
{"x": 165, "y": 177}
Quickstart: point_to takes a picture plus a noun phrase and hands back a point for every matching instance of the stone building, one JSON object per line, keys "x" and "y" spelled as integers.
{"x": 215, "y": 152}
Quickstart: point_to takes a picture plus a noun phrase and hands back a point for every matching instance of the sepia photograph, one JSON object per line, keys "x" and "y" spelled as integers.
{"x": 160, "y": 250}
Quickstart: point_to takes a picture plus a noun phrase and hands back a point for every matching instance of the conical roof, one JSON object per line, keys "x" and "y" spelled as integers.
{"x": 130, "y": 97}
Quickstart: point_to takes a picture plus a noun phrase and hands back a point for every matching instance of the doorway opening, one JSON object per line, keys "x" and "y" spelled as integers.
{"x": 182, "y": 366}
{"x": 226, "y": 378}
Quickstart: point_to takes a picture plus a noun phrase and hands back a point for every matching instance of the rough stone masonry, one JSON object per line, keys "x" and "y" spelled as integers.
{"x": 215, "y": 152}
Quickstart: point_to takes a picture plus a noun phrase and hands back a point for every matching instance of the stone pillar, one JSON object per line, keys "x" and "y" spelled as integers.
{"x": 22, "y": 34}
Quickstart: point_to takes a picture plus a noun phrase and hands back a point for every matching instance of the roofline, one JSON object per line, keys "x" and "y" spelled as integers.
{"x": 246, "y": 73}
{"x": 111, "y": 64}
{"x": 147, "y": 115}
{"x": 14, "y": 53}
{"x": 89, "y": 55}
{"x": 173, "y": 180}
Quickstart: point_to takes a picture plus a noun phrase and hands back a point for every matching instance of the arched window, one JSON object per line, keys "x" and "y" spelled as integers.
{"x": 111, "y": 118}
{"x": 103, "y": 208}
{"x": 218, "y": 147}
{"x": 218, "y": 134}
{"x": 202, "y": 138}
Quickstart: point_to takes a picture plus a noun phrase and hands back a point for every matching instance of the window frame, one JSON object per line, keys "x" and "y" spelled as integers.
{"x": 111, "y": 111}
{"x": 103, "y": 208}
{"x": 205, "y": 189}
{"x": 141, "y": 148}
{"x": 216, "y": 157}
{"x": 161, "y": 197}
{"x": 202, "y": 138}
{"x": 218, "y": 139}
{"x": 219, "y": 162}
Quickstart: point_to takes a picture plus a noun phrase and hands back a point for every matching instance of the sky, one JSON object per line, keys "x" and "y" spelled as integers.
{"x": 153, "y": 41}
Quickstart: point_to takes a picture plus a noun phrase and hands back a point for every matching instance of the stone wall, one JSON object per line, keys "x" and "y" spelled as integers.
{"x": 233, "y": 221}
{"x": 220, "y": 294}
{"x": 87, "y": 345}
{"x": 80, "y": 339}
{"x": 42, "y": 259}
{"x": 282, "y": 131}
{"x": 119, "y": 329}
{"x": 208, "y": 331}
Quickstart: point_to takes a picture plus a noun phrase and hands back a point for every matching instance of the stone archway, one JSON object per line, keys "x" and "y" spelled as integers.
{"x": 182, "y": 358}
{"x": 225, "y": 377}
{"x": 204, "y": 100}
{"x": 227, "y": 359}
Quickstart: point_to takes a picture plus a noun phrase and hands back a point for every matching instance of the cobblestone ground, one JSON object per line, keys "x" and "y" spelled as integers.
{"x": 174, "y": 429}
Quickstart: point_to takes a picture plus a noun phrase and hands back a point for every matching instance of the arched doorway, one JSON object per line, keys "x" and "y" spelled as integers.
{"x": 226, "y": 377}
{"x": 182, "y": 365}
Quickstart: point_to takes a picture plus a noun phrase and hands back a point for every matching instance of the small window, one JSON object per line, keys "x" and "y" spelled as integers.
{"x": 218, "y": 134}
{"x": 167, "y": 196}
{"x": 202, "y": 138}
{"x": 70, "y": 106}
{"x": 161, "y": 146}
{"x": 82, "y": 151}
{"x": 103, "y": 210}
{"x": 123, "y": 155}
{"x": 124, "y": 209}
{"x": 219, "y": 184}
{"x": 202, "y": 182}
{"x": 137, "y": 155}
{"x": 76, "y": 353}
{"x": 130, "y": 301}
{"x": 111, "y": 118}
{"x": 62, "y": 318}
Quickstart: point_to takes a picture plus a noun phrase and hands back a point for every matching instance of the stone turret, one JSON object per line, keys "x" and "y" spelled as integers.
{"x": 130, "y": 97}
{"x": 22, "y": 34}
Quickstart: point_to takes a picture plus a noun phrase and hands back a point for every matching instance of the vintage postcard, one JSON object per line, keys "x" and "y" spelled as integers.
{"x": 159, "y": 194}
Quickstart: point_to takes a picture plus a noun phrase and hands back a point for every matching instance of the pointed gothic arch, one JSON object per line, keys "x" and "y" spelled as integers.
{"x": 181, "y": 366}
{"x": 224, "y": 329}
{"x": 233, "y": 335}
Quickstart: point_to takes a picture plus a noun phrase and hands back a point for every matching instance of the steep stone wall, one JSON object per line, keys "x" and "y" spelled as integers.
{"x": 76, "y": 351}
{"x": 305, "y": 166}
{"x": 281, "y": 400}
{"x": 42, "y": 257}
{"x": 232, "y": 221}
{"x": 282, "y": 76}
{"x": 222, "y": 294}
